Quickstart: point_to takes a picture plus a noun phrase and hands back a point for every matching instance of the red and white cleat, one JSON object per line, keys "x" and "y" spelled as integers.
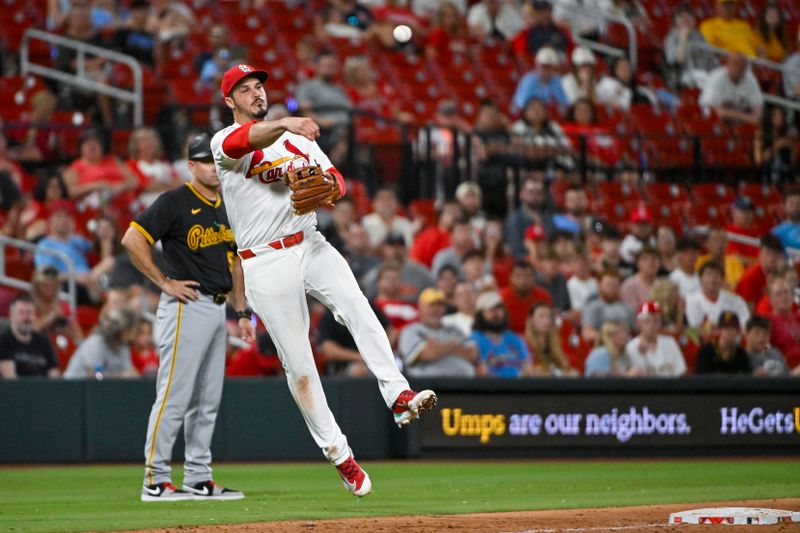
{"x": 354, "y": 478}
{"x": 410, "y": 404}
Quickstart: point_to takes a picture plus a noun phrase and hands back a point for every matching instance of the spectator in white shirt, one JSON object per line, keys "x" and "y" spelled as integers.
{"x": 494, "y": 19}
{"x": 641, "y": 234}
{"x": 705, "y": 305}
{"x": 581, "y": 81}
{"x": 582, "y": 285}
{"x": 732, "y": 91}
{"x": 685, "y": 275}
{"x": 620, "y": 88}
{"x": 652, "y": 354}
{"x": 385, "y": 220}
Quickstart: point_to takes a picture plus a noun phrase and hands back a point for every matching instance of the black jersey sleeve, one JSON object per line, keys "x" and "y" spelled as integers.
{"x": 157, "y": 220}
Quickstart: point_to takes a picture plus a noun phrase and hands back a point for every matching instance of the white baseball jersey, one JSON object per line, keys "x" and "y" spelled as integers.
{"x": 666, "y": 360}
{"x": 257, "y": 201}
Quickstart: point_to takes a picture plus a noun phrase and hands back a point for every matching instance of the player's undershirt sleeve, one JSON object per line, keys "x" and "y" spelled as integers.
{"x": 237, "y": 143}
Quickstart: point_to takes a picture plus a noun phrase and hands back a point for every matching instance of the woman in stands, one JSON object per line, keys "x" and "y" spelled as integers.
{"x": 672, "y": 306}
{"x": 609, "y": 358}
{"x": 96, "y": 179}
{"x": 105, "y": 247}
{"x": 602, "y": 148}
{"x": 53, "y": 315}
{"x": 620, "y": 88}
{"x": 770, "y": 33}
{"x": 776, "y": 145}
{"x": 147, "y": 161}
{"x": 33, "y": 219}
{"x": 448, "y": 35}
{"x": 544, "y": 342}
{"x": 38, "y": 140}
{"x": 541, "y": 141}
{"x": 581, "y": 81}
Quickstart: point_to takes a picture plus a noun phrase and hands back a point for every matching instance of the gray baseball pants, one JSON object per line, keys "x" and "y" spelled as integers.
{"x": 191, "y": 341}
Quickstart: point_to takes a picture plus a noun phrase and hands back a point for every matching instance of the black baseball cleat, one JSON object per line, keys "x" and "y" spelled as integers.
{"x": 208, "y": 490}
{"x": 164, "y": 492}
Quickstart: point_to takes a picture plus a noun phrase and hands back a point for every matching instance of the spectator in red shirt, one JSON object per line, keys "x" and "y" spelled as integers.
{"x": 96, "y": 178}
{"x": 430, "y": 240}
{"x": 521, "y": 294}
{"x": 33, "y": 219}
{"x": 785, "y": 335}
{"x": 753, "y": 284}
{"x": 448, "y": 35}
{"x": 390, "y": 300}
{"x": 143, "y": 351}
{"x": 742, "y": 223}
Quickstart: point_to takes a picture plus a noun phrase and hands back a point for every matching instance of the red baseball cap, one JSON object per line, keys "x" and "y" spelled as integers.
{"x": 649, "y": 308}
{"x": 235, "y": 74}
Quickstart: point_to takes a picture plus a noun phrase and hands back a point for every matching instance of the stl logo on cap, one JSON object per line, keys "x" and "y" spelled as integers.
{"x": 245, "y": 68}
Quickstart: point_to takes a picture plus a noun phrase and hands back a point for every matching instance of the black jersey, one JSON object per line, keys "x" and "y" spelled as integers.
{"x": 196, "y": 237}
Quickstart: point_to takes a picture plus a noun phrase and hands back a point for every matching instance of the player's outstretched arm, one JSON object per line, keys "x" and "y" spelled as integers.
{"x": 263, "y": 134}
{"x": 142, "y": 257}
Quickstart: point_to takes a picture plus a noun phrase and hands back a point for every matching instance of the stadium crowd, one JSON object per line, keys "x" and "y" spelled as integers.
{"x": 548, "y": 277}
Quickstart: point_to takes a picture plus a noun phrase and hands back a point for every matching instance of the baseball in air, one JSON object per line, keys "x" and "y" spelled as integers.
{"x": 402, "y": 33}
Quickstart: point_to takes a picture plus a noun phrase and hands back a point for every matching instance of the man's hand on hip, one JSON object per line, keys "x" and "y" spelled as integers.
{"x": 183, "y": 290}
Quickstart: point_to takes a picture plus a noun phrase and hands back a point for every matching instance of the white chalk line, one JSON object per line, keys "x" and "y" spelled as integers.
{"x": 598, "y": 528}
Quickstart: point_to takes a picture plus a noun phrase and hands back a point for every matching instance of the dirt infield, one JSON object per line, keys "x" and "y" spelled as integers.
{"x": 650, "y": 518}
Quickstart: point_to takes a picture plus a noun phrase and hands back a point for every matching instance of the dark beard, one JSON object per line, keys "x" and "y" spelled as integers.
{"x": 260, "y": 114}
{"x": 496, "y": 327}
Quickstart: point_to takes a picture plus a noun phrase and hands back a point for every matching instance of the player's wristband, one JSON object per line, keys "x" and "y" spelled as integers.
{"x": 245, "y": 313}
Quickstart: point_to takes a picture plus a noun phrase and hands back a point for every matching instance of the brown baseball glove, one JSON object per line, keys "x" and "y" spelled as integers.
{"x": 311, "y": 188}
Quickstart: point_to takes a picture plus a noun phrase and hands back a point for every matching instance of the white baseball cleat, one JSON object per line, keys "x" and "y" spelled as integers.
{"x": 410, "y": 404}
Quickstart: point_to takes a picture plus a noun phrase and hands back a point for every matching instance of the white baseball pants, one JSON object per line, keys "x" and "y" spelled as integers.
{"x": 276, "y": 283}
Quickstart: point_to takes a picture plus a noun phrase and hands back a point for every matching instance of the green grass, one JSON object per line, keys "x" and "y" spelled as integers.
{"x": 107, "y": 497}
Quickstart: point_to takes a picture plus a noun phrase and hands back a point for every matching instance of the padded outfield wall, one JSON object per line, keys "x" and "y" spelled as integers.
{"x": 76, "y": 421}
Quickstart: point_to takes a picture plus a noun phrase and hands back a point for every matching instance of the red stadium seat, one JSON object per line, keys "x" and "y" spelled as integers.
{"x": 666, "y": 193}
{"x": 717, "y": 193}
{"x": 760, "y": 193}
{"x": 707, "y": 214}
{"x": 613, "y": 191}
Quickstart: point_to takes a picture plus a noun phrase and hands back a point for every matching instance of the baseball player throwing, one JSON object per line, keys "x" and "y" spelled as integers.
{"x": 284, "y": 257}
{"x": 201, "y": 268}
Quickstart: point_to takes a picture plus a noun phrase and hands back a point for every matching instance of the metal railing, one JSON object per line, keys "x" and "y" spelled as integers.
{"x": 760, "y": 62}
{"x": 70, "y": 296}
{"x": 79, "y": 78}
{"x": 605, "y": 49}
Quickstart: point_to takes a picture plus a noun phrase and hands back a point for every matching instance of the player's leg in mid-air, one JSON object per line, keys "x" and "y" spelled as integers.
{"x": 329, "y": 278}
{"x": 275, "y": 290}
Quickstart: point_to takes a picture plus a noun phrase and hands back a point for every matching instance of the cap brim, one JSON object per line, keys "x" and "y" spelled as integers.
{"x": 262, "y": 76}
